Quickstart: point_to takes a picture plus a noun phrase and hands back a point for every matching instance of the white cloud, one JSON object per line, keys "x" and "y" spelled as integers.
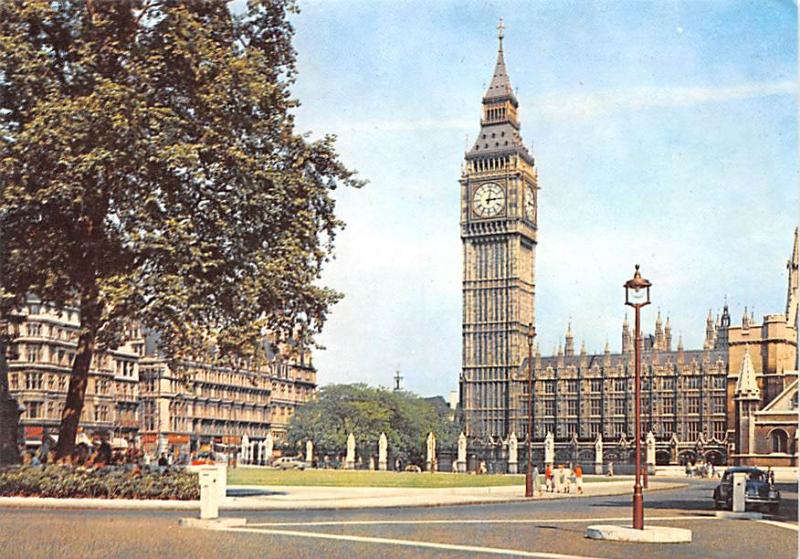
{"x": 584, "y": 105}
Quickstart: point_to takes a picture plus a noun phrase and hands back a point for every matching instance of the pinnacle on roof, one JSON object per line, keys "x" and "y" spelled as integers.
{"x": 667, "y": 326}
{"x": 795, "y": 251}
{"x": 746, "y": 385}
{"x": 500, "y": 85}
{"x": 569, "y": 329}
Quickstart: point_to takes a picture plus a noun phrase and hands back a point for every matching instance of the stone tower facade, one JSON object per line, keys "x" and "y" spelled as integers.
{"x": 499, "y": 204}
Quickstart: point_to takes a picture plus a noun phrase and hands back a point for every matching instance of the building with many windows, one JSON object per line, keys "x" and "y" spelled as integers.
{"x": 43, "y": 347}
{"x": 187, "y": 406}
{"x": 133, "y": 396}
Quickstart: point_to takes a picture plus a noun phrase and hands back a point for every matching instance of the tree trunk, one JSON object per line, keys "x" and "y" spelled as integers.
{"x": 9, "y": 412}
{"x": 79, "y": 378}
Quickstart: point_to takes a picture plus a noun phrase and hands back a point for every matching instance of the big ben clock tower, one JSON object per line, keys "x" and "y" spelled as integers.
{"x": 498, "y": 233}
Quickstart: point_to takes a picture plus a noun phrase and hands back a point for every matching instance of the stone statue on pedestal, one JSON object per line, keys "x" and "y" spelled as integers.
{"x": 461, "y": 463}
{"x": 598, "y": 454}
{"x": 512, "y": 453}
{"x": 383, "y": 447}
{"x": 309, "y": 453}
{"x": 549, "y": 449}
{"x": 269, "y": 442}
{"x": 350, "y": 459}
{"x": 245, "y": 458}
{"x": 431, "y": 457}
{"x": 650, "y": 443}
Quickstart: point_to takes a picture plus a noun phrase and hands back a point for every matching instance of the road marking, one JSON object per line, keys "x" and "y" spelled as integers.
{"x": 787, "y": 525}
{"x": 413, "y": 543}
{"x": 474, "y": 521}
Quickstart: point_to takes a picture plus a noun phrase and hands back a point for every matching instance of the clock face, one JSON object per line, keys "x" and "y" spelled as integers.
{"x": 530, "y": 204}
{"x": 489, "y": 200}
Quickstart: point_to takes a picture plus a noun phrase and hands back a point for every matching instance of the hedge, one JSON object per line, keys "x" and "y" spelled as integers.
{"x": 67, "y": 482}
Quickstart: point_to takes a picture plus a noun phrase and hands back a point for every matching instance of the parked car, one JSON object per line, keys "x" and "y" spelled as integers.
{"x": 413, "y": 468}
{"x": 758, "y": 491}
{"x": 289, "y": 463}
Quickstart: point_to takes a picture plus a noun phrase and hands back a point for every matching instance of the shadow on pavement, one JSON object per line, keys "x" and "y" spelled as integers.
{"x": 251, "y": 492}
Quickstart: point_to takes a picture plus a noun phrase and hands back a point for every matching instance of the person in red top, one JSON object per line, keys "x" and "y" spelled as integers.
{"x": 548, "y": 478}
{"x": 579, "y": 478}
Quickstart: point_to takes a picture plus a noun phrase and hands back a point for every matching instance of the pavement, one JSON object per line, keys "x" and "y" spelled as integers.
{"x": 263, "y": 498}
{"x": 552, "y": 528}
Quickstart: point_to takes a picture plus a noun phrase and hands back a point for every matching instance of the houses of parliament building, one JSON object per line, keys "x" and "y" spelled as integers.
{"x": 690, "y": 397}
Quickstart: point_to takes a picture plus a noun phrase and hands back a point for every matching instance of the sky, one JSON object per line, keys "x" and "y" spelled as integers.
{"x": 665, "y": 134}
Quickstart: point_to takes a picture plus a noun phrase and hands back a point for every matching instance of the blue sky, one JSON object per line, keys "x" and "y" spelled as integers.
{"x": 665, "y": 134}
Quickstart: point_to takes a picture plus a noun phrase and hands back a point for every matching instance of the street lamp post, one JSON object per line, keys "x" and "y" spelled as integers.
{"x": 637, "y": 295}
{"x": 529, "y": 472}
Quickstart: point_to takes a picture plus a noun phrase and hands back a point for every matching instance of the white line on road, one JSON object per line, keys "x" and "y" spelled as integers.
{"x": 786, "y": 525}
{"x": 412, "y": 543}
{"x": 475, "y": 521}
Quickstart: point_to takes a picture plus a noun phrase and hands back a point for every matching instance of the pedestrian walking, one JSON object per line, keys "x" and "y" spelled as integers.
{"x": 579, "y": 479}
{"x": 559, "y": 479}
{"x": 611, "y": 469}
{"x": 548, "y": 478}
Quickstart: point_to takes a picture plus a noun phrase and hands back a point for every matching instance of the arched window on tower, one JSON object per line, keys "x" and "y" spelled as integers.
{"x": 780, "y": 441}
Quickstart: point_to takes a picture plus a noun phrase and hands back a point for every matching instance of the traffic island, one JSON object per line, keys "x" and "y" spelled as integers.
{"x": 729, "y": 515}
{"x": 650, "y": 534}
{"x": 212, "y": 523}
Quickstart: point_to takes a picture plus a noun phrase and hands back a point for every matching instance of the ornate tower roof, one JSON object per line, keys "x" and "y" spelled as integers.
{"x": 500, "y": 135}
{"x": 746, "y": 385}
{"x": 500, "y": 86}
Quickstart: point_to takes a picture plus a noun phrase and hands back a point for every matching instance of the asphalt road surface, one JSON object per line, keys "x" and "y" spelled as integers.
{"x": 552, "y": 529}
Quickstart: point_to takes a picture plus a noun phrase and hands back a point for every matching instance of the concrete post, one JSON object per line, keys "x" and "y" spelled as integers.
{"x": 739, "y": 486}
{"x": 222, "y": 480}
{"x": 209, "y": 493}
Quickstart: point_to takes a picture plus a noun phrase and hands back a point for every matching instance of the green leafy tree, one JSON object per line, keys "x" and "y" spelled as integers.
{"x": 340, "y": 409}
{"x": 151, "y": 172}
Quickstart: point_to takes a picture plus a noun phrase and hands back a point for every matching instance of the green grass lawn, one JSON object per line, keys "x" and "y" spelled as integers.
{"x": 362, "y": 478}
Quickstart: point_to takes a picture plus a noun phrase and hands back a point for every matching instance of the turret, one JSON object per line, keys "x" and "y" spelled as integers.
{"x": 668, "y": 335}
{"x": 745, "y": 320}
{"x": 627, "y": 341}
{"x": 569, "y": 341}
{"x": 747, "y": 397}
{"x": 792, "y": 290}
{"x": 722, "y": 330}
{"x": 659, "y": 343}
{"x": 710, "y": 330}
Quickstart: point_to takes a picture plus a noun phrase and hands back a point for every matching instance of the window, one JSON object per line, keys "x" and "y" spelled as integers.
{"x": 718, "y": 404}
{"x": 595, "y": 406}
{"x": 692, "y": 429}
{"x": 596, "y": 385}
{"x": 62, "y": 383}
{"x": 549, "y": 408}
{"x": 779, "y": 441}
{"x": 669, "y": 406}
{"x": 619, "y": 384}
{"x": 668, "y": 383}
{"x": 34, "y": 353}
{"x": 693, "y": 404}
{"x": 693, "y": 382}
{"x": 619, "y": 406}
{"x": 719, "y": 430}
{"x": 33, "y": 409}
{"x": 550, "y": 387}
{"x": 34, "y": 330}
{"x": 572, "y": 386}
{"x": 572, "y": 406}
{"x": 33, "y": 381}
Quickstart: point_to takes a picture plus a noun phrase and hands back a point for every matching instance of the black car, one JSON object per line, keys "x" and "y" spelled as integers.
{"x": 758, "y": 491}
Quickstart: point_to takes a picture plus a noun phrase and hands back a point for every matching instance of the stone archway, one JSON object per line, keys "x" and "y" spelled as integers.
{"x": 662, "y": 457}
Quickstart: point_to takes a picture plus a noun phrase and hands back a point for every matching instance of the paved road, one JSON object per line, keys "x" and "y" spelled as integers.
{"x": 547, "y": 529}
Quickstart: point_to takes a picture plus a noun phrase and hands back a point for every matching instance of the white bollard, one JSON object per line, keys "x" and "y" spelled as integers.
{"x": 739, "y": 486}
{"x": 209, "y": 493}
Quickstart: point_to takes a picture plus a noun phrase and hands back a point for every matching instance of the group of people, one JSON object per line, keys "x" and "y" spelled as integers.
{"x": 562, "y": 480}
{"x": 701, "y": 469}
{"x": 100, "y": 455}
